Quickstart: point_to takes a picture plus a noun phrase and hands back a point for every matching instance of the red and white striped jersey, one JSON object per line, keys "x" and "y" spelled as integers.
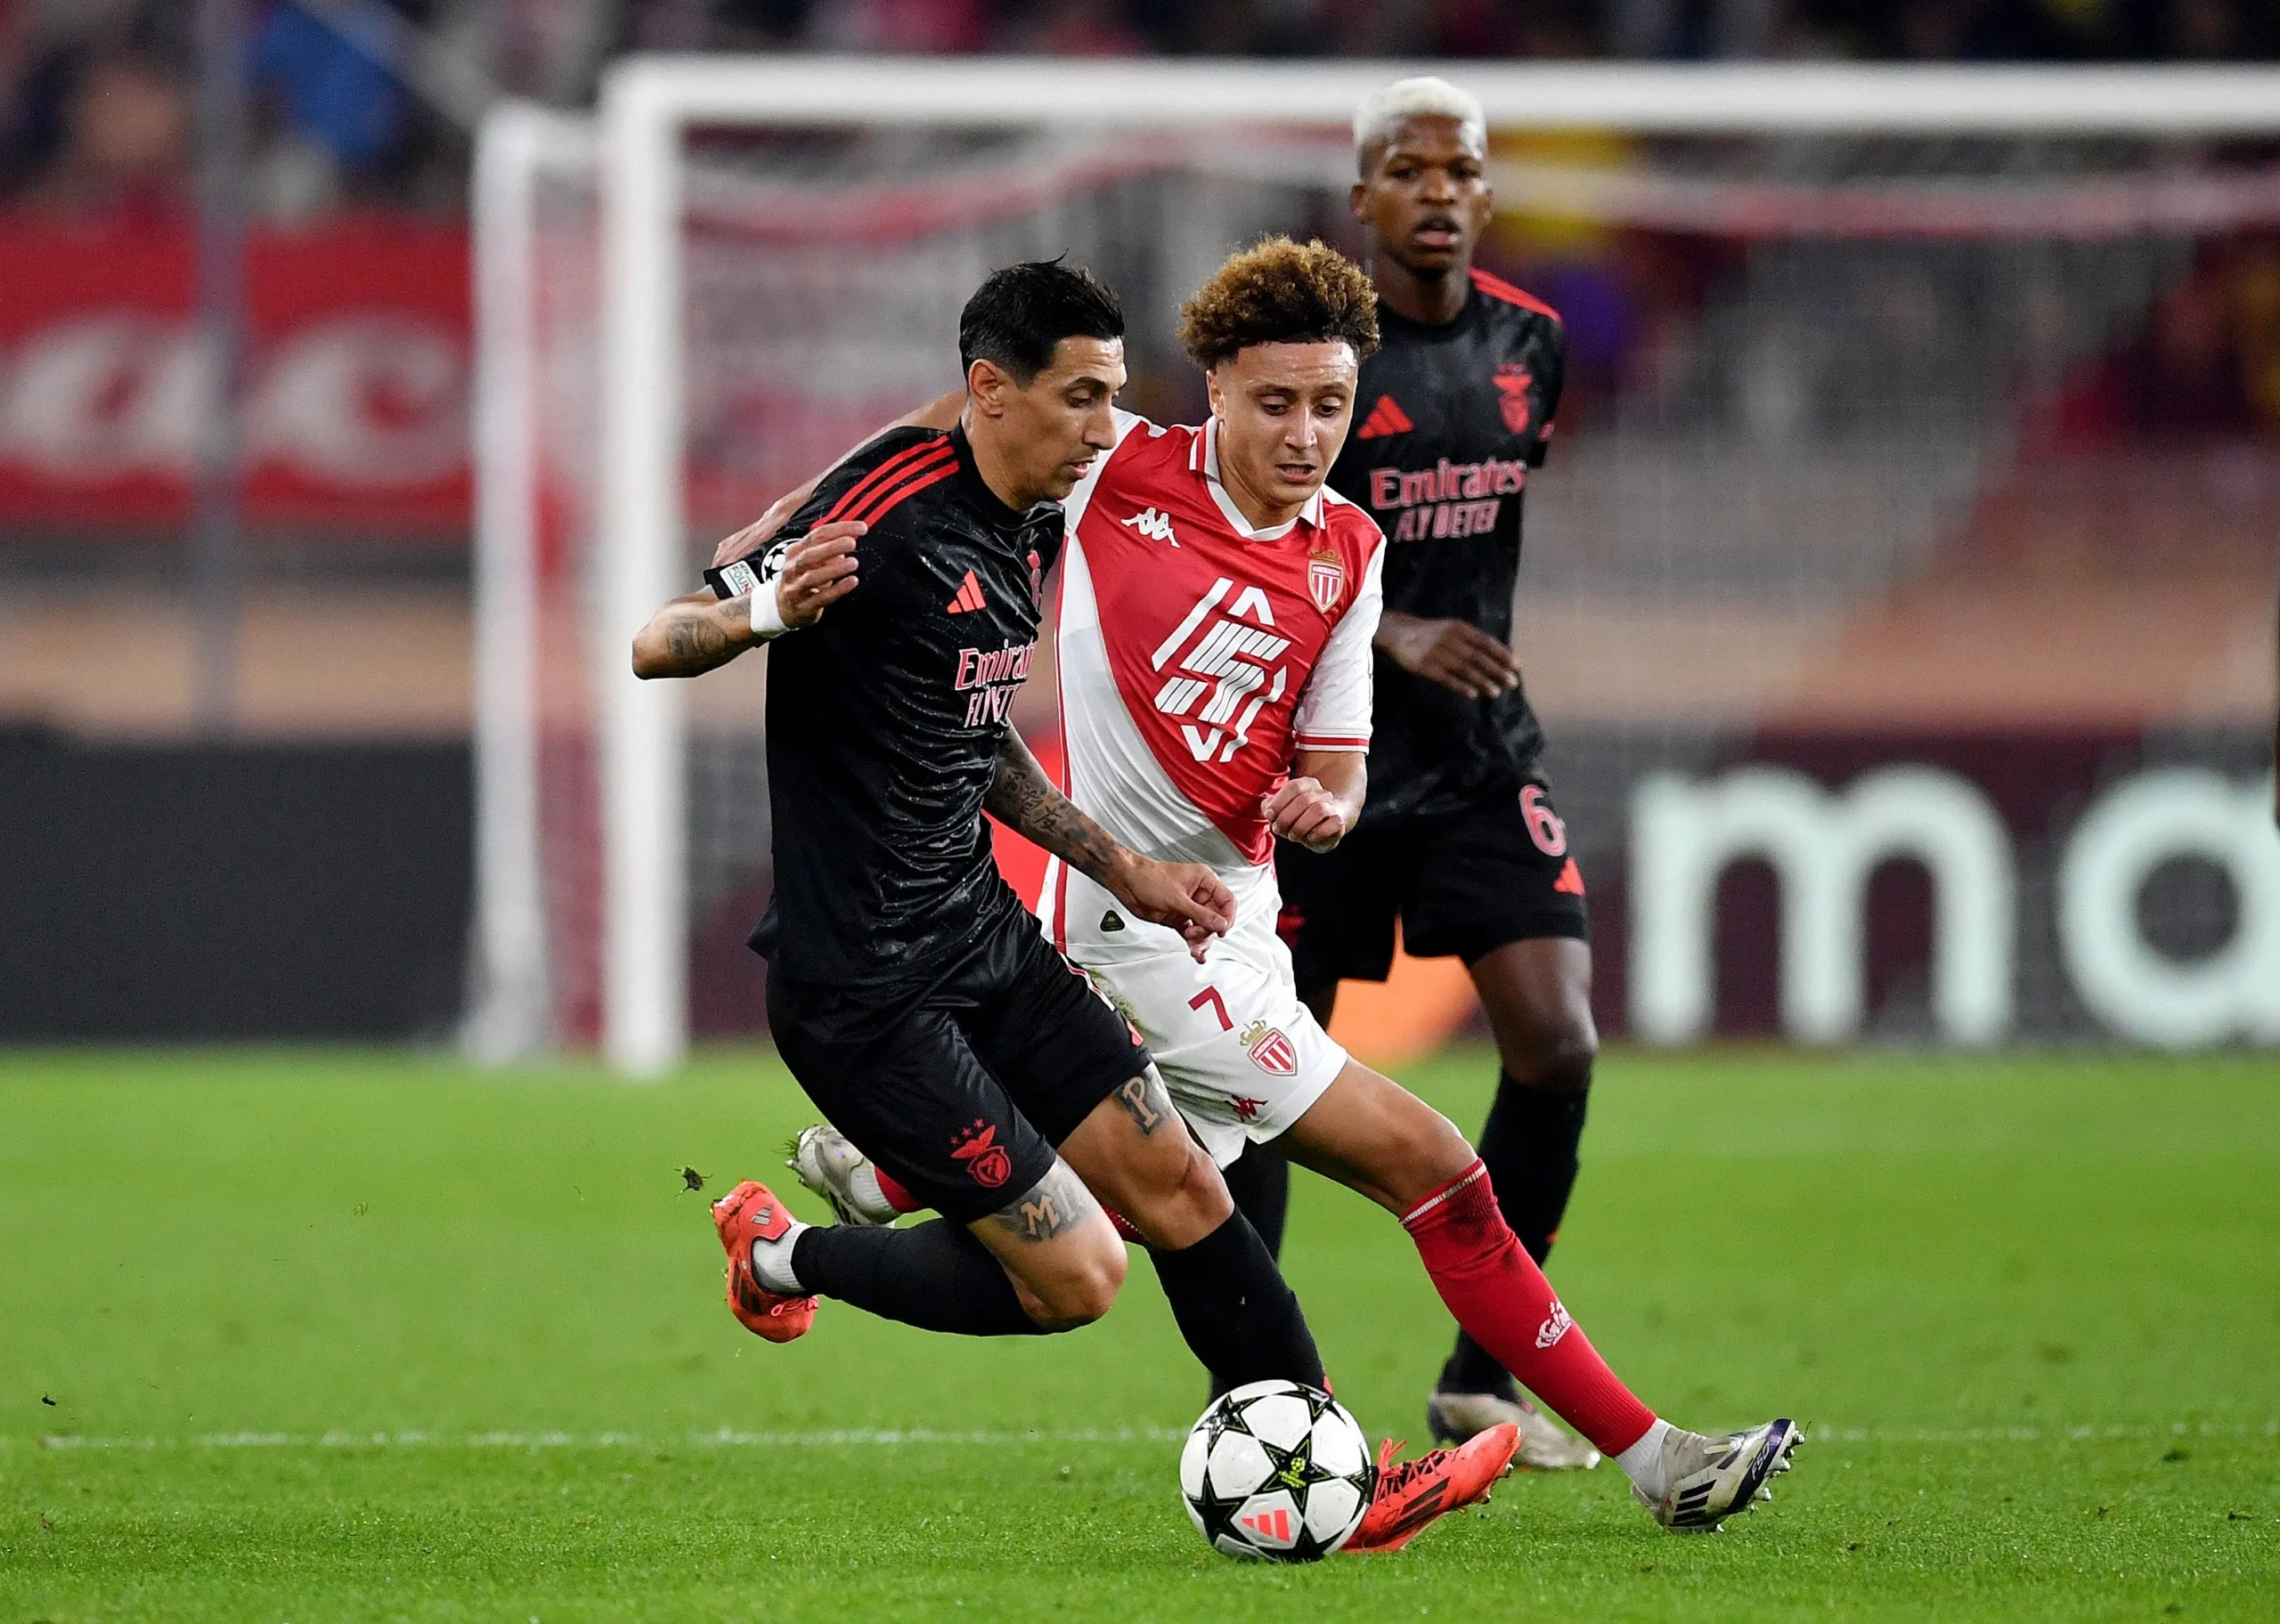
{"x": 1197, "y": 654}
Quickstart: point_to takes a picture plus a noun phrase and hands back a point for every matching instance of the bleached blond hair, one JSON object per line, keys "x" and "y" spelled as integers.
{"x": 1423, "y": 97}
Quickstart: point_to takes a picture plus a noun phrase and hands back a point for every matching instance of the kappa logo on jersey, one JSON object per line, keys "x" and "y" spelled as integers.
{"x": 1326, "y": 579}
{"x": 969, "y": 596}
{"x": 1154, "y": 523}
{"x": 1270, "y": 1050}
{"x": 1513, "y": 382}
{"x": 1227, "y": 660}
{"x": 1386, "y": 418}
{"x": 985, "y": 1158}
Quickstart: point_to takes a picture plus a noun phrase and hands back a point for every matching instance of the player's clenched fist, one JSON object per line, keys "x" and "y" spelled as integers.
{"x": 1304, "y": 811}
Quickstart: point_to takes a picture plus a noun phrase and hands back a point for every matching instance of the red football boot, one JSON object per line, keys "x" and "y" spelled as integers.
{"x": 1413, "y": 1494}
{"x": 749, "y": 1213}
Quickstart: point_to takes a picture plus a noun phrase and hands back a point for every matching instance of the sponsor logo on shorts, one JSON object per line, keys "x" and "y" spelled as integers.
{"x": 1246, "y": 1110}
{"x": 1270, "y": 1051}
{"x": 984, "y": 1158}
{"x": 1111, "y": 920}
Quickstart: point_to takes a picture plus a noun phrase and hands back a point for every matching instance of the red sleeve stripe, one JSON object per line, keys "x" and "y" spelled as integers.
{"x": 895, "y": 467}
{"x": 1333, "y": 741}
{"x": 1497, "y": 287}
{"x": 888, "y": 501}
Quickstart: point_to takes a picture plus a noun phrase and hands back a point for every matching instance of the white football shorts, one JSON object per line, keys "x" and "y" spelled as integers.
{"x": 1242, "y": 1057}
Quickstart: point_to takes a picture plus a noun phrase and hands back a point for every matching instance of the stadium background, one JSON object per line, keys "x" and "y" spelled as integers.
{"x": 237, "y": 707}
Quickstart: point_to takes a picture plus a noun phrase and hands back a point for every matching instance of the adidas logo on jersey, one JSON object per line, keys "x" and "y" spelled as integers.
{"x": 969, "y": 596}
{"x": 1386, "y": 418}
{"x": 1153, "y": 524}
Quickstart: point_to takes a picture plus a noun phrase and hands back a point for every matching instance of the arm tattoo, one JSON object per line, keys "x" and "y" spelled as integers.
{"x": 1143, "y": 1100}
{"x": 1025, "y": 801}
{"x": 1055, "y": 1205}
{"x": 701, "y": 637}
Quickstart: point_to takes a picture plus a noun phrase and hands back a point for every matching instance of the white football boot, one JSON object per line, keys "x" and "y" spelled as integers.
{"x": 843, "y": 1175}
{"x": 1545, "y": 1446}
{"x": 1709, "y": 1478}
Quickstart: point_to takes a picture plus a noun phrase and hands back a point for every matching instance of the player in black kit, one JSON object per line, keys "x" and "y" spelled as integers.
{"x": 1458, "y": 840}
{"x": 909, "y": 991}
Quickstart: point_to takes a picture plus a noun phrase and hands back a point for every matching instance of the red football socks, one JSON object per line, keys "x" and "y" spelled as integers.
{"x": 1503, "y": 1302}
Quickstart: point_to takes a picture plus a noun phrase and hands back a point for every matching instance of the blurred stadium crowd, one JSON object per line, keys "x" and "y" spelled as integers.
{"x": 1957, "y": 452}
{"x": 98, "y": 94}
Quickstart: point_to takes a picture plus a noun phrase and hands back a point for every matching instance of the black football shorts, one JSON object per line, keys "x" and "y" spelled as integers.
{"x": 1461, "y": 886}
{"x": 961, "y": 1085}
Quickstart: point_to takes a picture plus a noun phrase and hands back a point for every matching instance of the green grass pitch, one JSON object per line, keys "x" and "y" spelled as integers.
{"x": 334, "y": 1335}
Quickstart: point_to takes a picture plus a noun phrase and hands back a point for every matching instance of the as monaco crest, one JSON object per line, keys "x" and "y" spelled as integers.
{"x": 1270, "y": 1051}
{"x": 1326, "y": 579}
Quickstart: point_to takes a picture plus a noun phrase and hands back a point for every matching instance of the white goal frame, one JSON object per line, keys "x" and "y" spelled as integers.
{"x": 649, "y": 103}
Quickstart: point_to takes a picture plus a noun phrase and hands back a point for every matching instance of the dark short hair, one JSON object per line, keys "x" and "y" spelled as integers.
{"x": 1280, "y": 292}
{"x": 1018, "y": 314}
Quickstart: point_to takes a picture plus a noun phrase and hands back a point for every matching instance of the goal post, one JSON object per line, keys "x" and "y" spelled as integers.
{"x": 639, "y": 146}
{"x": 509, "y": 1002}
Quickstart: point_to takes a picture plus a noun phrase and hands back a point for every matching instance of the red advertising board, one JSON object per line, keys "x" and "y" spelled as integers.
{"x": 356, "y": 389}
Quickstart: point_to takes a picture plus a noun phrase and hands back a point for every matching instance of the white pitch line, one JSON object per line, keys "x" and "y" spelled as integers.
{"x": 723, "y": 1438}
{"x": 903, "y": 1437}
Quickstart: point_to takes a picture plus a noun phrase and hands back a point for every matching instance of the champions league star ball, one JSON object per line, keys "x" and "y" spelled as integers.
{"x": 1276, "y": 1470}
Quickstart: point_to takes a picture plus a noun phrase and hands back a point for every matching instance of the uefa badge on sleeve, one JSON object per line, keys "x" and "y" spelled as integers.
{"x": 1326, "y": 579}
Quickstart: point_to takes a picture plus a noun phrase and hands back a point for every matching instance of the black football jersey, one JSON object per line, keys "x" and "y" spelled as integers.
{"x": 1447, "y": 424}
{"x": 884, "y": 718}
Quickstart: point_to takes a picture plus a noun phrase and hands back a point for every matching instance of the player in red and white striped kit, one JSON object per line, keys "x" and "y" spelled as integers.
{"x": 1217, "y": 611}
{"x": 1215, "y": 680}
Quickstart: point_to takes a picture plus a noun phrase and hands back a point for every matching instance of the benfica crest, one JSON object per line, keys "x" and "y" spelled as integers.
{"x": 1513, "y": 382}
{"x": 1326, "y": 579}
{"x": 1270, "y": 1051}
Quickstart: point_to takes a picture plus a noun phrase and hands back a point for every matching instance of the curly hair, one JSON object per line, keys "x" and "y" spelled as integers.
{"x": 1280, "y": 292}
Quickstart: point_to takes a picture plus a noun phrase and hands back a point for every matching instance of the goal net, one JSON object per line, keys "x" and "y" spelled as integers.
{"x": 1899, "y": 597}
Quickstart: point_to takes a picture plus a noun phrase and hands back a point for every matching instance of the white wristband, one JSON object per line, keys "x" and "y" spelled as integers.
{"x": 766, "y": 614}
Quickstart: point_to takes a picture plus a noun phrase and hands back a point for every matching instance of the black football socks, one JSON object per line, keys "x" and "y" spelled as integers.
{"x": 1530, "y": 1148}
{"x": 933, "y": 1275}
{"x": 1260, "y": 1184}
{"x": 1239, "y": 1316}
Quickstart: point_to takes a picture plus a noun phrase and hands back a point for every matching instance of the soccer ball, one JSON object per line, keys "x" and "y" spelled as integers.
{"x": 1278, "y": 1471}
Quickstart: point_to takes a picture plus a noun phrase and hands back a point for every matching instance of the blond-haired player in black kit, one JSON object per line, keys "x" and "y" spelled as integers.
{"x": 1458, "y": 840}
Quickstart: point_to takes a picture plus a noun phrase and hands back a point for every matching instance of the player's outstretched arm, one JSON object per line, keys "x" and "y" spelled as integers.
{"x": 691, "y": 635}
{"x": 1187, "y": 897}
{"x": 1321, "y": 798}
